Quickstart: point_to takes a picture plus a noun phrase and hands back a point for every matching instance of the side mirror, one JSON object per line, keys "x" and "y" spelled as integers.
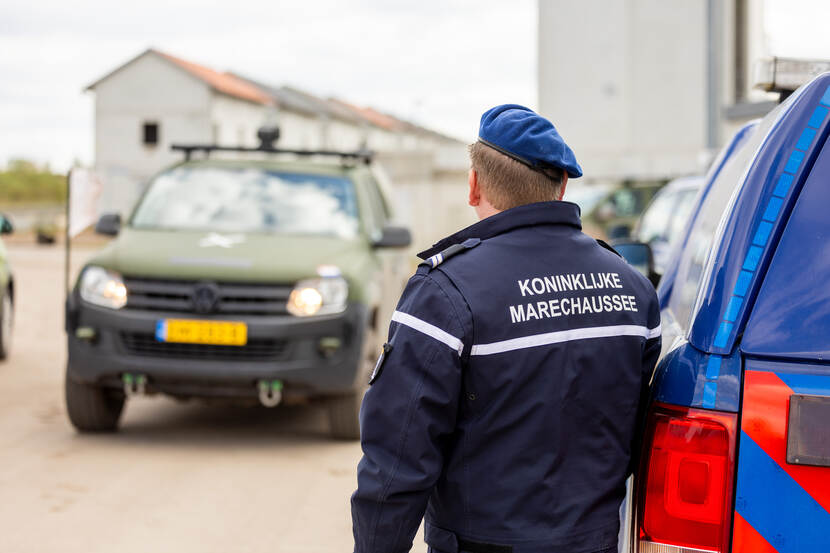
{"x": 393, "y": 237}
{"x": 639, "y": 256}
{"x": 109, "y": 224}
{"x": 6, "y": 226}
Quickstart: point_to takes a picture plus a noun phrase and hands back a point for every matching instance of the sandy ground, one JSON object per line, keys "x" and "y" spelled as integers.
{"x": 179, "y": 477}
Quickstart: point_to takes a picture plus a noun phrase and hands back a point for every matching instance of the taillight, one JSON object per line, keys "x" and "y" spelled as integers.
{"x": 685, "y": 483}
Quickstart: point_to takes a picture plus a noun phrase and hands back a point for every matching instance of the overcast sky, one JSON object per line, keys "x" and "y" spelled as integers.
{"x": 437, "y": 62}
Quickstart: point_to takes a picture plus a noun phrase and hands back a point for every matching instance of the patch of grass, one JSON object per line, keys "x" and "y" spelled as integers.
{"x": 23, "y": 182}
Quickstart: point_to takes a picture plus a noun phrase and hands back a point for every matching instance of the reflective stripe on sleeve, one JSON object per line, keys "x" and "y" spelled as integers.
{"x": 655, "y": 332}
{"x": 565, "y": 336}
{"x": 428, "y": 329}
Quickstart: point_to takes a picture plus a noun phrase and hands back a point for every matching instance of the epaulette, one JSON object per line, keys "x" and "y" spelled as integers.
{"x": 608, "y": 247}
{"x": 455, "y": 249}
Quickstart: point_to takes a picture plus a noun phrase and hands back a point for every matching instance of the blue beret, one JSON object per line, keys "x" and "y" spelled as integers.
{"x": 527, "y": 137}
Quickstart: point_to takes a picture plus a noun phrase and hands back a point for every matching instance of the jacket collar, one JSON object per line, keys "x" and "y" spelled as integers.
{"x": 541, "y": 213}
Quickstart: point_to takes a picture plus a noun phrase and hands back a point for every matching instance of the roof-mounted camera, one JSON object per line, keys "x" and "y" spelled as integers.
{"x": 268, "y": 136}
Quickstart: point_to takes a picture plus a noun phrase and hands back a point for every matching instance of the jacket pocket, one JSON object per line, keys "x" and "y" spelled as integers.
{"x": 440, "y": 540}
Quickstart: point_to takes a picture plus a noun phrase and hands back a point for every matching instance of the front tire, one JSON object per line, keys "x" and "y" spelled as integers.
{"x": 93, "y": 408}
{"x": 6, "y": 320}
{"x": 343, "y": 412}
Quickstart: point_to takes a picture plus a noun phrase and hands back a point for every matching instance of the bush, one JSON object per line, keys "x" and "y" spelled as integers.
{"x": 24, "y": 182}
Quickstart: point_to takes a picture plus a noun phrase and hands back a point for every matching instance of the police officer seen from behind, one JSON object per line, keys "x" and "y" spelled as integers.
{"x": 505, "y": 403}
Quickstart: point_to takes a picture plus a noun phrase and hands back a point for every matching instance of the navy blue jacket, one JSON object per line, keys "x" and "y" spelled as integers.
{"x": 506, "y": 403}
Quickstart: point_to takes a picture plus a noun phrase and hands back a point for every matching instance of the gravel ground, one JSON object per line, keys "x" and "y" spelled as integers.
{"x": 179, "y": 477}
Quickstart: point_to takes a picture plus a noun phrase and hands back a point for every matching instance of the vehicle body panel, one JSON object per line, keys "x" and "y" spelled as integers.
{"x": 779, "y": 506}
{"x": 249, "y": 257}
{"x": 753, "y": 329}
{"x": 786, "y": 349}
{"x": 715, "y": 311}
{"x": 689, "y": 377}
{"x": 791, "y": 317}
{"x": 287, "y": 349}
{"x": 762, "y": 203}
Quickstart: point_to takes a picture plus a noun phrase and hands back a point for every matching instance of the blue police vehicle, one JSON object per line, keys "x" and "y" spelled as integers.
{"x": 736, "y": 450}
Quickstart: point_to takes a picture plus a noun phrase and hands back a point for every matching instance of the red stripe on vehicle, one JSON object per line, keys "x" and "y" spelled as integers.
{"x": 766, "y": 407}
{"x": 745, "y": 539}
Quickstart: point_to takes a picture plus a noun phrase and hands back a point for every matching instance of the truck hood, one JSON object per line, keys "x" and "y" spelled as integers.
{"x": 231, "y": 257}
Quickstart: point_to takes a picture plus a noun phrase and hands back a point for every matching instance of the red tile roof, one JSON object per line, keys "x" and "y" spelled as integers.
{"x": 374, "y": 117}
{"x": 221, "y": 82}
{"x": 224, "y": 83}
{"x": 383, "y": 120}
{"x": 260, "y": 93}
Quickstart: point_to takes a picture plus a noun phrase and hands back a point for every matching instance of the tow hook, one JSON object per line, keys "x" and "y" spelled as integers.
{"x": 134, "y": 384}
{"x": 270, "y": 392}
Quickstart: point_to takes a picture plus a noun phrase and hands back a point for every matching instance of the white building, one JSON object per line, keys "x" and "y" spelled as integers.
{"x": 648, "y": 89}
{"x": 155, "y": 100}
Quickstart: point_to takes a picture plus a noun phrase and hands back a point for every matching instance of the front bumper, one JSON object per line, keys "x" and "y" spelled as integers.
{"x": 284, "y": 348}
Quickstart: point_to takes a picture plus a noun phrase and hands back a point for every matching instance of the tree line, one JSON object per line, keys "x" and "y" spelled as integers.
{"x": 24, "y": 182}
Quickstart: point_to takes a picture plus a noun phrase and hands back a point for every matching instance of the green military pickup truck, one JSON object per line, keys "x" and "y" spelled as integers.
{"x": 262, "y": 277}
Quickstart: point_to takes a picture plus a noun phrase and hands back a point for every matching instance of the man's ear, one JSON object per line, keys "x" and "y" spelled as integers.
{"x": 475, "y": 190}
{"x": 563, "y": 186}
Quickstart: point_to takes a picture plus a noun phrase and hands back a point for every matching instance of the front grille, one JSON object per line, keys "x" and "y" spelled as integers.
{"x": 141, "y": 343}
{"x": 232, "y": 298}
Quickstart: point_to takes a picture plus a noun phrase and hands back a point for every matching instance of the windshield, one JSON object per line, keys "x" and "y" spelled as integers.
{"x": 682, "y": 212}
{"x": 586, "y": 196}
{"x": 656, "y": 219}
{"x": 248, "y": 200}
{"x": 666, "y": 217}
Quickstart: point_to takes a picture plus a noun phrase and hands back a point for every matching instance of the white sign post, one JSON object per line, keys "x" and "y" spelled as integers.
{"x": 83, "y": 188}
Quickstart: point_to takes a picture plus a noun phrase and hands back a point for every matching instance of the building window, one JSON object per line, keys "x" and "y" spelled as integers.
{"x": 150, "y": 134}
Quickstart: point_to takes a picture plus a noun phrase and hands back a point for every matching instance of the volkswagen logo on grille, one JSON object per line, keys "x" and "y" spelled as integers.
{"x": 205, "y": 297}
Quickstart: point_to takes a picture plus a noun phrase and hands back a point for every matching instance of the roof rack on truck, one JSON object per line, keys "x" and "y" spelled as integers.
{"x": 267, "y": 137}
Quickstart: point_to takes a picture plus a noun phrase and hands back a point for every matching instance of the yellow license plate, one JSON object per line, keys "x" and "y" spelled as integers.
{"x": 189, "y": 331}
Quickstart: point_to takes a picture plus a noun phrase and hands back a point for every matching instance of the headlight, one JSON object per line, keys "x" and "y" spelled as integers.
{"x": 318, "y": 296}
{"x": 101, "y": 287}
